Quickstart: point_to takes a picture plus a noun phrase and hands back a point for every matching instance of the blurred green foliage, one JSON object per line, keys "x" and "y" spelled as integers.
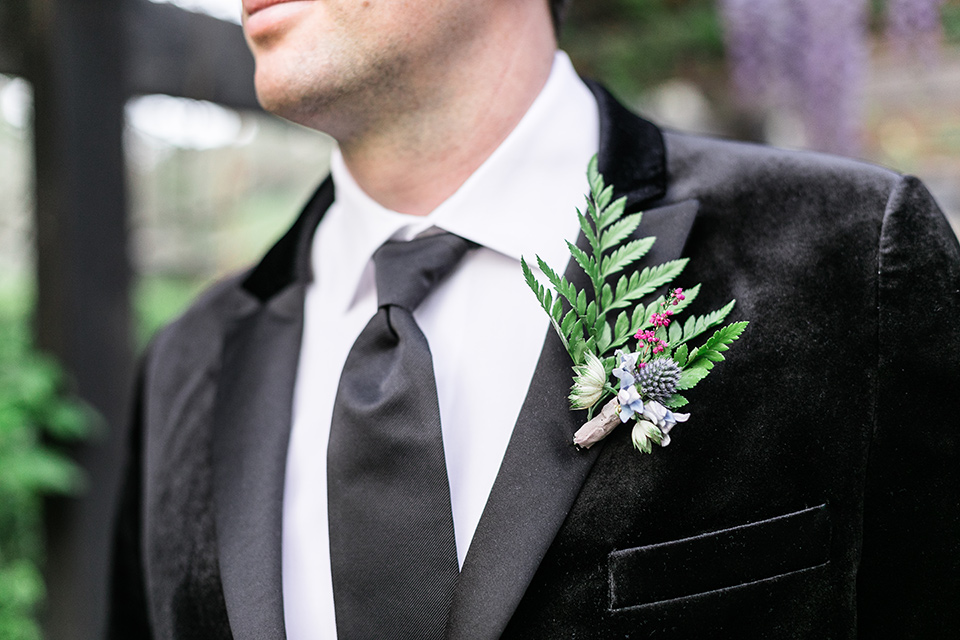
{"x": 633, "y": 45}
{"x": 951, "y": 22}
{"x": 37, "y": 418}
{"x": 34, "y": 414}
{"x": 949, "y": 13}
{"x": 159, "y": 299}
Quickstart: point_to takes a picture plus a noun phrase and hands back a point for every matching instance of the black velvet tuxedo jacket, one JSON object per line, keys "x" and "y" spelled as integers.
{"x": 814, "y": 492}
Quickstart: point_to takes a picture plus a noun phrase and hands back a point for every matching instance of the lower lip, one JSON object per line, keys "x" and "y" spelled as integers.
{"x": 269, "y": 20}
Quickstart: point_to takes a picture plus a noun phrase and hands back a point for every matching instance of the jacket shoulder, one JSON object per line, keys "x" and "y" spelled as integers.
{"x": 741, "y": 174}
{"x": 192, "y": 342}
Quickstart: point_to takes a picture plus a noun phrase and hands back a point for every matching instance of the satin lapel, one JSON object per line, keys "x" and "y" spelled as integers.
{"x": 541, "y": 473}
{"x": 251, "y": 428}
{"x": 251, "y": 432}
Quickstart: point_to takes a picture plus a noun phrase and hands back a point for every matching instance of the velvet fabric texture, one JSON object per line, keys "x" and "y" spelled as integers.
{"x": 814, "y": 492}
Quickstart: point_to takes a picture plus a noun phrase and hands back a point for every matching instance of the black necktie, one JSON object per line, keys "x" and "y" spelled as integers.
{"x": 392, "y": 546}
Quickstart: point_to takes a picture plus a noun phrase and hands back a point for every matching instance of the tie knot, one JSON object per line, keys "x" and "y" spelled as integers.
{"x": 407, "y": 271}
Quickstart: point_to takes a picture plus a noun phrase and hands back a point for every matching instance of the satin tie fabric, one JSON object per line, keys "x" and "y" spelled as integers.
{"x": 392, "y": 546}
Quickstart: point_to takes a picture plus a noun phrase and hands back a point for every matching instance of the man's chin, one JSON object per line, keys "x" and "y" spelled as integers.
{"x": 279, "y": 103}
{"x": 279, "y": 100}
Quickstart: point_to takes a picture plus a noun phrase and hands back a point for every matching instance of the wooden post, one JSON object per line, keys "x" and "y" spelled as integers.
{"x": 73, "y": 59}
{"x": 14, "y": 19}
{"x": 84, "y": 58}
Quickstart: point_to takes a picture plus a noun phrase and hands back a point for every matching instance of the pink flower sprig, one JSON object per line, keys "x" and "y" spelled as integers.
{"x": 649, "y": 340}
{"x": 661, "y": 319}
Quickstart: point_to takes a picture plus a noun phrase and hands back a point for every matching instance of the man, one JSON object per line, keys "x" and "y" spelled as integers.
{"x": 812, "y": 493}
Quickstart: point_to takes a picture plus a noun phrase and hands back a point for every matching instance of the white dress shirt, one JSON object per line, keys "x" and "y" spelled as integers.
{"x": 484, "y": 326}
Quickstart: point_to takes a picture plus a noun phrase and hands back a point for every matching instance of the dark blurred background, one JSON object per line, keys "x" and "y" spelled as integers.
{"x": 136, "y": 168}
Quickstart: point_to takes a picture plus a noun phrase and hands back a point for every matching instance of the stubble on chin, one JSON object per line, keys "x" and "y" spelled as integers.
{"x": 343, "y": 98}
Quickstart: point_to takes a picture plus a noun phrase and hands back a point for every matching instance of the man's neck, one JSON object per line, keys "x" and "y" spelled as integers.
{"x": 414, "y": 161}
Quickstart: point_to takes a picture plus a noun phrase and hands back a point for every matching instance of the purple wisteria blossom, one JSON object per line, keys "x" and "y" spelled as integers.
{"x": 914, "y": 26}
{"x": 811, "y": 57}
{"x": 808, "y": 56}
{"x": 831, "y": 53}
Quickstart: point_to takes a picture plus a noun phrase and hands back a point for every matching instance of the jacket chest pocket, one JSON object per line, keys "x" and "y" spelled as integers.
{"x": 719, "y": 560}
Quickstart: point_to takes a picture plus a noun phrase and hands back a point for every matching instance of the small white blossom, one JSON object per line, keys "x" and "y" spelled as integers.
{"x": 588, "y": 382}
{"x": 643, "y": 434}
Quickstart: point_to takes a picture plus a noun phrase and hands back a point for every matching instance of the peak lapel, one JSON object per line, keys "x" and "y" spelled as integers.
{"x": 542, "y": 473}
{"x": 251, "y": 429}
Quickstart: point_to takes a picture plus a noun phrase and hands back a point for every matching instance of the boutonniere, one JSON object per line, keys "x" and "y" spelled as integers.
{"x": 645, "y": 377}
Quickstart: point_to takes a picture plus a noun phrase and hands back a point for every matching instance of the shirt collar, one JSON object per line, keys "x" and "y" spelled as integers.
{"x": 519, "y": 202}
